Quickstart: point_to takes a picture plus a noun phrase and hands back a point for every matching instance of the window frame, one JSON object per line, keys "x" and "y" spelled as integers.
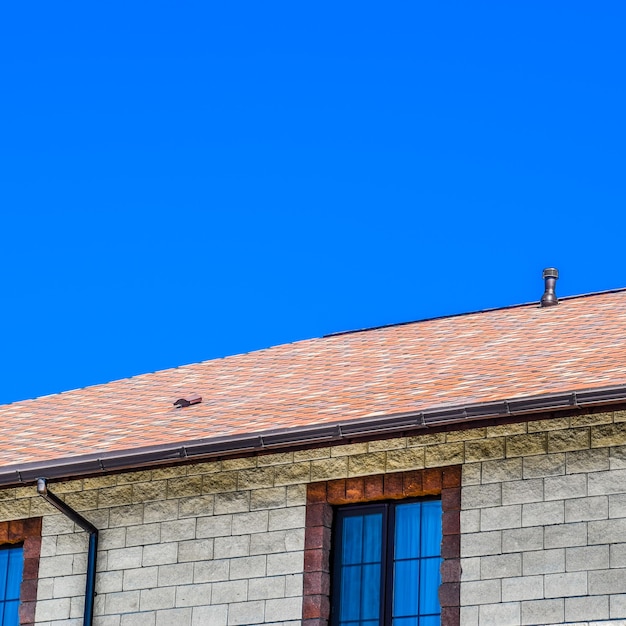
{"x": 26, "y": 532}
{"x": 323, "y": 497}
{"x": 388, "y": 509}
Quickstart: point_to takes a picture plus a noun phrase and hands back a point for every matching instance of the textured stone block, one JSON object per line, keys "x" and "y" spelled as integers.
{"x": 246, "y": 613}
{"x": 471, "y": 474}
{"x": 501, "y": 470}
{"x": 480, "y": 592}
{"x": 481, "y": 496}
{"x": 587, "y": 461}
{"x": 584, "y": 509}
{"x": 156, "y": 599}
{"x": 485, "y": 449}
{"x": 232, "y": 502}
{"x": 543, "y": 513}
{"x": 501, "y": 566}
{"x": 283, "y": 609}
{"x": 248, "y": 523}
{"x": 219, "y": 483}
{"x": 587, "y": 608}
{"x": 526, "y": 445}
{"x": 175, "y": 574}
{"x": 522, "y": 491}
{"x": 211, "y": 571}
{"x": 293, "y": 517}
{"x": 544, "y": 465}
{"x": 184, "y": 487}
{"x": 122, "y": 602}
{"x": 606, "y": 581}
{"x": 607, "y": 435}
{"x": 481, "y": 544}
{"x": 543, "y": 611}
{"x": 193, "y": 595}
{"x": 445, "y": 454}
{"x": 255, "y": 478}
{"x": 586, "y": 558}
{"x": 601, "y": 483}
{"x": 503, "y": 614}
{"x": 292, "y": 474}
{"x": 178, "y": 530}
{"x": 196, "y": 506}
{"x": 522, "y": 588}
{"x": 405, "y": 459}
{"x": 210, "y": 615}
{"x": 543, "y": 562}
{"x": 606, "y": 531}
{"x": 193, "y": 550}
{"x": 274, "y": 497}
{"x": 229, "y": 547}
{"x": 248, "y": 567}
{"x": 140, "y": 578}
{"x": 569, "y": 486}
{"x": 162, "y": 511}
{"x": 173, "y": 617}
{"x": 501, "y": 517}
{"x": 565, "y": 584}
{"x": 567, "y": 440}
{"x": 522, "y": 539}
{"x": 364, "y": 464}
{"x": 266, "y": 588}
{"x": 565, "y": 535}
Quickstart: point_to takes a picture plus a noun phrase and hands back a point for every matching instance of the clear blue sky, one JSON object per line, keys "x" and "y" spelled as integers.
{"x": 181, "y": 181}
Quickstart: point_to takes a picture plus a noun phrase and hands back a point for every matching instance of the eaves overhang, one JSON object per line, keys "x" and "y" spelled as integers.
{"x": 303, "y": 436}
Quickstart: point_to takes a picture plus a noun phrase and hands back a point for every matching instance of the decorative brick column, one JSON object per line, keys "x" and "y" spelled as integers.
{"x": 322, "y": 496}
{"x": 27, "y": 532}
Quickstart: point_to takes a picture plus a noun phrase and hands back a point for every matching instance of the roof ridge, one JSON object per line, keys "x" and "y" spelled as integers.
{"x": 467, "y": 313}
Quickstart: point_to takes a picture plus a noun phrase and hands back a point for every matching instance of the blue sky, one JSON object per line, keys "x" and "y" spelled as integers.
{"x": 183, "y": 181}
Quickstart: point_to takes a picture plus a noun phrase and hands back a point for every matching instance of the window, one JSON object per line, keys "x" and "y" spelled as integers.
{"x": 331, "y": 499}
{"x": 387, "y": 563}
{"x": 11, "y": 566}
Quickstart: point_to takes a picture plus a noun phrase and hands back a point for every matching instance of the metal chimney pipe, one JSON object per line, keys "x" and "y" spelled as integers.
{"x": 550, "y": 275}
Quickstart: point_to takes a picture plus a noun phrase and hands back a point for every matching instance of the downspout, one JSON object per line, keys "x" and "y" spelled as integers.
{"x": 90, "y": 585}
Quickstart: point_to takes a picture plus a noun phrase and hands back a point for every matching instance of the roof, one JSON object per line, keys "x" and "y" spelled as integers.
{"x": 464, "y": 360}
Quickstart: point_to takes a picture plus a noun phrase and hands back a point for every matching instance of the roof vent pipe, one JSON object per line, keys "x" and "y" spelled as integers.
{"x": 550, "y": 275}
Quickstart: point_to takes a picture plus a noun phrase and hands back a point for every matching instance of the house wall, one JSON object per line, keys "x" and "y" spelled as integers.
{"x": 543, "y": 529}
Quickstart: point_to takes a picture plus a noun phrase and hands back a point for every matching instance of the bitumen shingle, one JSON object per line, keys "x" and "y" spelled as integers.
{"x": 476, "y": 357}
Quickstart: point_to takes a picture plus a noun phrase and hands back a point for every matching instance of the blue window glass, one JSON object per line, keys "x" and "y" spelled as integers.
{"x": 387, "y": 562}
{"x": 11, "y": 565}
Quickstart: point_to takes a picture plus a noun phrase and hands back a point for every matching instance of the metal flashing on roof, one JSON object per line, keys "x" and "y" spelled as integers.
{"x": 302, "y": 436}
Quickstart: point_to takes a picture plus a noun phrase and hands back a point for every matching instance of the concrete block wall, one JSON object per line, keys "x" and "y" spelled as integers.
{"x": 222, "y": 543}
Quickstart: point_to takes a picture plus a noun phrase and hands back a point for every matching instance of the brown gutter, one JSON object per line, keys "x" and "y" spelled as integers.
{"x": 289, "y": 438}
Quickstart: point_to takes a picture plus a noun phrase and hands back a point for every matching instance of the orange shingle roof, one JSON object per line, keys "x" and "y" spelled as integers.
{"x": 472, "y": 358}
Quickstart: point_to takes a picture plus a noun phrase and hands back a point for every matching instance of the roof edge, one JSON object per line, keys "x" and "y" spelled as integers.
{"x": 288, "y": 438}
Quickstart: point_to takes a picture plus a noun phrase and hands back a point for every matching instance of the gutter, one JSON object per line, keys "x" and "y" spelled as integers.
{"x": 90, "y": 584}
{"x": 290, "y": 438}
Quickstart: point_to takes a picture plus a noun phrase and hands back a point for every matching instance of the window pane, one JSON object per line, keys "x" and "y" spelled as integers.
{"x": 4, "y": 571}
{"x": 352, "y": 539}
{"x": 370, "y": 606}
{"x": 405, "y": 621}
{"x": 11, "y": 614}
{"x": 434, "y": 620}
{"x": 372, "y": 535}
{"x": 430, "y": 578}
{"x": 11, "y": 560}
{"x": 359, "y": 567}
{"x": 405, "y": 578}
{"x": 350, "y": 593}
{"x": 407, "y": 537}
{"x": 431, "y": 528}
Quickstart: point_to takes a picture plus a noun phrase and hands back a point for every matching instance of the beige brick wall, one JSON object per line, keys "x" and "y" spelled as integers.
{"x": 221, "y": 543}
